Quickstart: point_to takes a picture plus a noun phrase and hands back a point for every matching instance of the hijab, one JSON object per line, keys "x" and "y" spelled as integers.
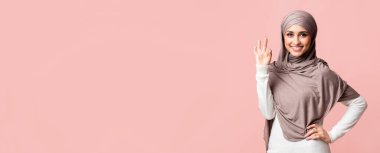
{"x": 304, "y": 89}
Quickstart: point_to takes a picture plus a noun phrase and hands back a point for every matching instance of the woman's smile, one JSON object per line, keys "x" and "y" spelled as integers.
{"x": 297, "y": 48}
{"x": 297, "y": 40}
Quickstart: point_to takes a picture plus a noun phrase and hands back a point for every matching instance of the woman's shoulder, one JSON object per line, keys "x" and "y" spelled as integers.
{"x": 324, "y": 70}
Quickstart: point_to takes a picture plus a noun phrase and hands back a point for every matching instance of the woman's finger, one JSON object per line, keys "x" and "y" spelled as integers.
{"x": 313, "y": 137}
{"x": 312, "y": 126}
{"x": 259, "y": 46}
{"x": 255, "y": 50}
{"x": 265, "y": 44}
{"x": 310, "y": 132}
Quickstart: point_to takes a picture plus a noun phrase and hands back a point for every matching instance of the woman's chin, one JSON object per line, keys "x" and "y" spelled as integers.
{"x": 296, "y": 54}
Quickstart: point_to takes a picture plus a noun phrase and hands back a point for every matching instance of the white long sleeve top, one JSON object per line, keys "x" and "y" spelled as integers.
{"x": 356, "y": 108}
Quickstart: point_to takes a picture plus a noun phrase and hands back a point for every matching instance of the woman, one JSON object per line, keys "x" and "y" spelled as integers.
{"x": 298, "y": 90}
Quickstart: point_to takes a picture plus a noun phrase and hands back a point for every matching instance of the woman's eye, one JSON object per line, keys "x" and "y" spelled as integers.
{"x": 304, "y": 35}
{"x": 289, "y": 34}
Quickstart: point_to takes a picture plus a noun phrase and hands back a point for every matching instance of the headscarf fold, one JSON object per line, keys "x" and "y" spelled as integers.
{"x": 304, "y": 89}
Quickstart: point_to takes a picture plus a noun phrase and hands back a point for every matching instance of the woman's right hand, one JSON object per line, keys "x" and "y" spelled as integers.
{"x": 263, "y": 53}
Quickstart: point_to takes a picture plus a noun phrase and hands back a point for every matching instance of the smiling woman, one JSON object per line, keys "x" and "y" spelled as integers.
{"x": 298, "y": 90}
{"x": 297, "y": 40}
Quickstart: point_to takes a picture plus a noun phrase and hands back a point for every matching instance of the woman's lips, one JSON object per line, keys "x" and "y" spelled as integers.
{"x": 297, "y": 48}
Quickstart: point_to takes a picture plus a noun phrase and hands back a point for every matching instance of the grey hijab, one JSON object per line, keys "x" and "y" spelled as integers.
{"x": 304, "y": 89}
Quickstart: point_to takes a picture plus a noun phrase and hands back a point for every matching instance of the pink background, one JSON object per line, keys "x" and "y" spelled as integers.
{"x": 168, "y": 76}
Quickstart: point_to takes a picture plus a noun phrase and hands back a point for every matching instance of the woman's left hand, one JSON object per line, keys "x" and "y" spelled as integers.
{"x": 316, "y": 131}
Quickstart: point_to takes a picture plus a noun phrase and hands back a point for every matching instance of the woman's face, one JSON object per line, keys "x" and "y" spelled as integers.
{"x": 297, "y": 40}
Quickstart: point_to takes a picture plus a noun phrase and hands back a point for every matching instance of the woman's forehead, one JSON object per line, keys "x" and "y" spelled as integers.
{"x": 296, "y": 28}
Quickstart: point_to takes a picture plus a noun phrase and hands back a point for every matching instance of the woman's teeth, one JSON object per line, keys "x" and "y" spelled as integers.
{"x": 297, "y": 48}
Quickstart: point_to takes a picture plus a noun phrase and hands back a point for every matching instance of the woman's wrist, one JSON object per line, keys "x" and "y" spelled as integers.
{"x": 261, "y": 69}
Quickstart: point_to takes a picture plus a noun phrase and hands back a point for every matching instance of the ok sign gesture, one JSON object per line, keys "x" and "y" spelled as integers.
{"x": 263, "y": 53}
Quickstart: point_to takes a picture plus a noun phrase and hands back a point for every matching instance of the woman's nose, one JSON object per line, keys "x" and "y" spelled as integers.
{"x": 296, "y": 41}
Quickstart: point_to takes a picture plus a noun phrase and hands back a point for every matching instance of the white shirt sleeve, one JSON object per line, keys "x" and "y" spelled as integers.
{"x": 266, "y": 104}
{"x": 355, "y": 109}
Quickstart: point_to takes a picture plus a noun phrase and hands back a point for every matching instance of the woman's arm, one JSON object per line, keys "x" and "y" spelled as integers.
{"x": 356, "y": 108}
{"x": 266, "y": 104}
